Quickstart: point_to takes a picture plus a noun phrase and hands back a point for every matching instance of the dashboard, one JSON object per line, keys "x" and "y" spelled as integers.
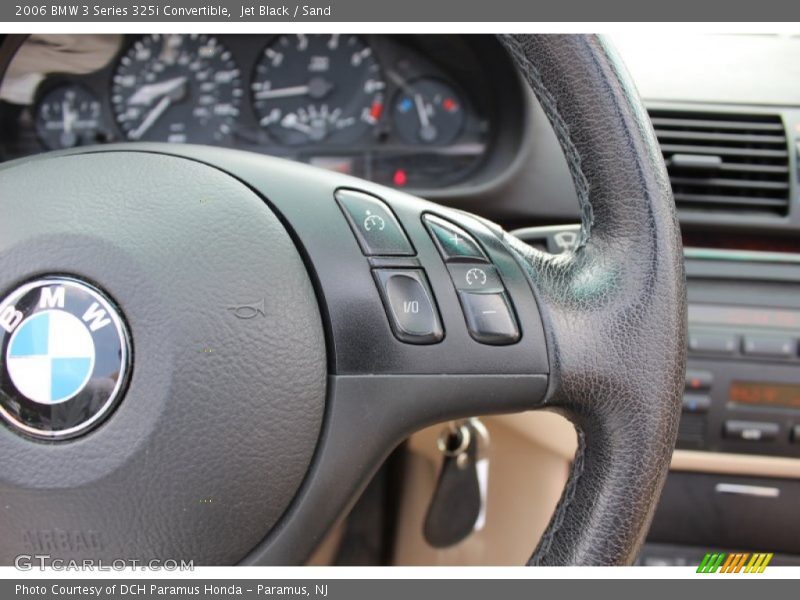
{"x": 414, "y": 111}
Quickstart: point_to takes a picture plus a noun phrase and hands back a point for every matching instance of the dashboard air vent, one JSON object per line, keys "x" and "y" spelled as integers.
{"x": 725, "y": 161}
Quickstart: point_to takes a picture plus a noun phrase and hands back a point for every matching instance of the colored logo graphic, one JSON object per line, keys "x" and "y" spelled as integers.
{"x": 721, "y": 562}
{"x": 64, "y": 357}
{"x": 50, "y": 357}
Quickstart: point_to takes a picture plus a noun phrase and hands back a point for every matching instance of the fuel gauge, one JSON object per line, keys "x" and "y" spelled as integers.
{"x": 428, "y": 111}
{"x": 68, "y": 115}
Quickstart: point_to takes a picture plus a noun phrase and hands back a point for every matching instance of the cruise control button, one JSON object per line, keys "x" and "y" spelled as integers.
{"x": 751, "y": 431}
{"x": 472, "y": 277}
{"x": 453, "y": 242}
{"x": 489, "y": 318}
{"x": 410, "y": 305}
{"x": 377, "y": 230}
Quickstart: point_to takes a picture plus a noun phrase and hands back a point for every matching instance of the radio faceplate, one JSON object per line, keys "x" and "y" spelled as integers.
{"x": 742, "y": 382}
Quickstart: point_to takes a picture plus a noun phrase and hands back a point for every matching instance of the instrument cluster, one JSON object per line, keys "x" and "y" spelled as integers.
{"x": 407, "y": 111}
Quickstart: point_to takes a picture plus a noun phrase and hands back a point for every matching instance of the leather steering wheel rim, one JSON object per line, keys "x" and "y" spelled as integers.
{"x": 615, "y": 309}
{"x": 284, "y": 365}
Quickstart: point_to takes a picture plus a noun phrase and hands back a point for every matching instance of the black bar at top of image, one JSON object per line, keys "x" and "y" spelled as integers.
{"x": 438, "y": 11}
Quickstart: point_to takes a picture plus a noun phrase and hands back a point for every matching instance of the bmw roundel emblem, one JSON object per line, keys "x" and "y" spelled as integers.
{"x": 64, "y": 357}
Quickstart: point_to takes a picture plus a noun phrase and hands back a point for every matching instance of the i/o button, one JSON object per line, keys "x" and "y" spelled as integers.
{"x": 409, "y": 305}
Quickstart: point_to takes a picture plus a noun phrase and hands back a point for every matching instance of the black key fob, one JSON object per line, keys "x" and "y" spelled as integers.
{"x": 458, "y": 504}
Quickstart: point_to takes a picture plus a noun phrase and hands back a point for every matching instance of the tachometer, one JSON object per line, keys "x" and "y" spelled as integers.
{"x": 318, "y": 88}
{"x": 177, "y": 88}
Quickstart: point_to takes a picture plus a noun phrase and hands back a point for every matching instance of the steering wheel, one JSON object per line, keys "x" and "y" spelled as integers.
{"x": 237, "y": 342}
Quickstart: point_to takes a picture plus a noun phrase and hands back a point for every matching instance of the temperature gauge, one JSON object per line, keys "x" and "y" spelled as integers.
{"x": 67, "y": 116}
{"x": 428, "y": 111}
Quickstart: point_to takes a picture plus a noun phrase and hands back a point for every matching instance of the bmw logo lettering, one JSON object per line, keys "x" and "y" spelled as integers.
{"x": 64, "y": 357}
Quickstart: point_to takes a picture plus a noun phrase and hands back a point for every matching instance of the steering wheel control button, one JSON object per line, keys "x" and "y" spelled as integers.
{"x": 478, "y": 277}
{"x": 454, "y": 243}
{"x": 489, "y": 318}
{"x": 410, "y": 305}
{"x": 751, "y": 431}
{"x": 65, "y": 357}
{"x": 376, "y": 228}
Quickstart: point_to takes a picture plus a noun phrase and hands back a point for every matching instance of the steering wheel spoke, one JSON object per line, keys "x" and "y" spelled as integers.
{"x": 368, "y": 416}
{"x": 386, "y": 379}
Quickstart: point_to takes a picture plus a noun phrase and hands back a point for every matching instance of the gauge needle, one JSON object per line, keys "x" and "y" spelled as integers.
{"x": 147, "y": 93}
{"x": 423, "y": 114}
{"x": 318, "y": 87}
{"x": 427, "y": 131}
{"x": 399, "y": 81}
{"x": 419, "y": 102}
{"x": 290, "y": 122}
{"x": 171, "y": 93}
{"x": 295, "y": 90}
{"x": 69, "y": 116}
{"x": 151, "y": 118}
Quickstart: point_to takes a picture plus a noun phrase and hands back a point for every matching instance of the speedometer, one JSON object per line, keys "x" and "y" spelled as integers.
{"x": 318, "y": 88}
{"x": 177, "y": 88}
